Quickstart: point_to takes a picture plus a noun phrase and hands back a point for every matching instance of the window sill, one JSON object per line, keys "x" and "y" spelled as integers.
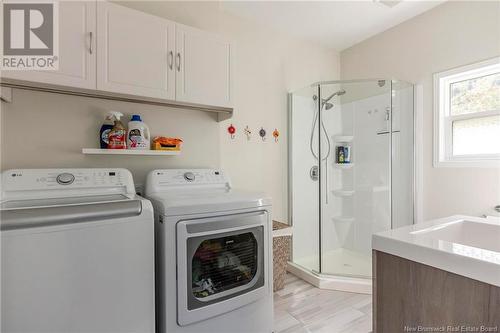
{"x": 467, "y": 164}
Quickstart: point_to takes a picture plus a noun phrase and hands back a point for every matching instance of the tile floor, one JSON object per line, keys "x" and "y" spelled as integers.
{"x": 301, "y": 307}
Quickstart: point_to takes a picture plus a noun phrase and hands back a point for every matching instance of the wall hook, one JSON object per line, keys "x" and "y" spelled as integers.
{"x": 232, "y": 131}
{"x": 262, "y": 133}
{"x": 248, "y": 133}
{"x": 276, "y": 134}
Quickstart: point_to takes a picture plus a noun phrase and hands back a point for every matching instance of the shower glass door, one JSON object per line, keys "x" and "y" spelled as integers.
{"x": 355, "y": 173}
{"x": 304, "y": 178}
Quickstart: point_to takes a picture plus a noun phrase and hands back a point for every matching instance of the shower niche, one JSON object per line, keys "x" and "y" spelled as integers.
{"x": 358, "y": 135}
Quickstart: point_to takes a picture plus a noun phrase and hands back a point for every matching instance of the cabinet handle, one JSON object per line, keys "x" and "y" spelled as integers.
{"x": 178, "y": 61}
{"x": 91, "y": 37}
{"x": 171, "y": 60}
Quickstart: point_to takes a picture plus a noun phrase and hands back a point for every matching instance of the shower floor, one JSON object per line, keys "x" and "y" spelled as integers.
{"x": 340, "y": 262}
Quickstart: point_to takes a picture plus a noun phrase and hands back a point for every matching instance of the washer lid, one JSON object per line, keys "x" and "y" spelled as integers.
{"x": 186, "y": 202}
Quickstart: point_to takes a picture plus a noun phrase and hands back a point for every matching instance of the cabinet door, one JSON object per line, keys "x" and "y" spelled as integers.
{"x": 77, "y": 53}
{"x": 135, "y": 52}
{"x": 203, "y": 67}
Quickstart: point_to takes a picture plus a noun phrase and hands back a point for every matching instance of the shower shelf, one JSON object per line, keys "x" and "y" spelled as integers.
{"x": 344, "y": 165}
{"x": 343, "y": 193}
{"x": 343, "y": 138}
{"x": 343, "y": 219}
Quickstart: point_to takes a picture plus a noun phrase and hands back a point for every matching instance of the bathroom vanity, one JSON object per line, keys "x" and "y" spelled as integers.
{"x": 439, "y": 276}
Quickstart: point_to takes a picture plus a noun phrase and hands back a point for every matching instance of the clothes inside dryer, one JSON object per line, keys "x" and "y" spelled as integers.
{"x": 224, "y": 263}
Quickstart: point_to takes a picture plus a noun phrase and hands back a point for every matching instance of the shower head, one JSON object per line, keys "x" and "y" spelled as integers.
{"x": 325, "y": 102}
{"x": 337, "y": 93}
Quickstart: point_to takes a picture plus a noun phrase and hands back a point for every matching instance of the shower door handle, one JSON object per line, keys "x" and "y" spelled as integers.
{"x": 327, "y": 188}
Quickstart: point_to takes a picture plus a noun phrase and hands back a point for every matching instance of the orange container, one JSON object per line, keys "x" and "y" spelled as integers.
{"x": 168, "y": 144}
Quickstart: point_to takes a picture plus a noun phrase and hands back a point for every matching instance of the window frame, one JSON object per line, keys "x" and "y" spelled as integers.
{"x": 443, "y": 120}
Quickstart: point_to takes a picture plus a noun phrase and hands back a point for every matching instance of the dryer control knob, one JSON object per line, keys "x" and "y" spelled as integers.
{"x": 189, "y": 176}
{"x": 65, "y": 178}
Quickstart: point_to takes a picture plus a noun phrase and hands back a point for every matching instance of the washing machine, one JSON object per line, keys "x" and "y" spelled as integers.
{"x": 213, "y": 253}
{"x": 77, "y": 252}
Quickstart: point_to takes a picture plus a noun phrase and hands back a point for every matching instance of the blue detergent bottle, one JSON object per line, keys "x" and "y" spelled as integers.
{"x": 105, "y": 129}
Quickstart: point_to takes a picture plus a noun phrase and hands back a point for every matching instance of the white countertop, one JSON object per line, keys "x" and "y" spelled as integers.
{"x": 464, "y": 245}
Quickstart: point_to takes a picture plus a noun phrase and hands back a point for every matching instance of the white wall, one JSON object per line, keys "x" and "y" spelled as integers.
{"x": 47, "y": 130}
{"x": 450, "y": 35}
{"x": 44, "y": 130}
{"x": 267, "y": 65}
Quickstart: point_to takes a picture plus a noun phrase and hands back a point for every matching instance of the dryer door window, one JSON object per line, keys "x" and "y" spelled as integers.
{"x": 222, "y": 264}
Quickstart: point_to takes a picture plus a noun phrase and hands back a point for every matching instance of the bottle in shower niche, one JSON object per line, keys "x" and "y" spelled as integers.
{"x": 347, "y": 154}
{"x": 340, "y": 154}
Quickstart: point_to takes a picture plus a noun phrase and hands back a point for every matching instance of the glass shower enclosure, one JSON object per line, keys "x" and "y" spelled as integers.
{"x": 351, "y": 166}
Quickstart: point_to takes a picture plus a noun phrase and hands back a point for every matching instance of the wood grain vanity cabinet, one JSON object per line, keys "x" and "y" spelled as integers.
{"x": 407, "y": 294}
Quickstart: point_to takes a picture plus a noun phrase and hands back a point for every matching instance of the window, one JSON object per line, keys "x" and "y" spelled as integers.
{"x": 467, "y": 115}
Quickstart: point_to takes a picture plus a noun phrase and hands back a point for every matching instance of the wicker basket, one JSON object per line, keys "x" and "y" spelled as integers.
{"x": 282, "y": 237}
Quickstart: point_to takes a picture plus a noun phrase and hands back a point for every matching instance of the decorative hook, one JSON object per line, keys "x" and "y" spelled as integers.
{"x": 276, "y": 134}
{"x": 248, "y": 133}
{"x": 262, "y": 133}
{"x": 231, "y": 130}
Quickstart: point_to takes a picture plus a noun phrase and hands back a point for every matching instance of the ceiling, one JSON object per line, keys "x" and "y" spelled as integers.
{"x": 333, "y": 24}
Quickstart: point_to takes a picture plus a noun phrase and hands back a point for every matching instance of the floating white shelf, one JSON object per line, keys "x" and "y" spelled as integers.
{"x": 97, "y": 151}
{"x": 343, "y": 219}
{"x": 343, "y": 138}
{"x": 343, "y": 165}
{"x": 343, "y": 193}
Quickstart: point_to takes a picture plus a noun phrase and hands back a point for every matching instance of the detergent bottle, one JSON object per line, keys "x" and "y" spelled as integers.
{"x": 105, "y": 129}
{"x": 138, "y": 136}
{"x": 117, "y": 135}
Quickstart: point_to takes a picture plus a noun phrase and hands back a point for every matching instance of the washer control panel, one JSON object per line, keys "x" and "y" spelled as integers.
{"x": 39, "y": 179}
{"x": 174, "y": 177}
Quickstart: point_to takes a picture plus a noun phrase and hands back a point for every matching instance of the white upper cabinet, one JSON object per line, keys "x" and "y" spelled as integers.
{"x": 77, "y": 49}
{"x": 135, "y": 52}
{"x": 106, "y": 47}
{"x": 203, "y": 67}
